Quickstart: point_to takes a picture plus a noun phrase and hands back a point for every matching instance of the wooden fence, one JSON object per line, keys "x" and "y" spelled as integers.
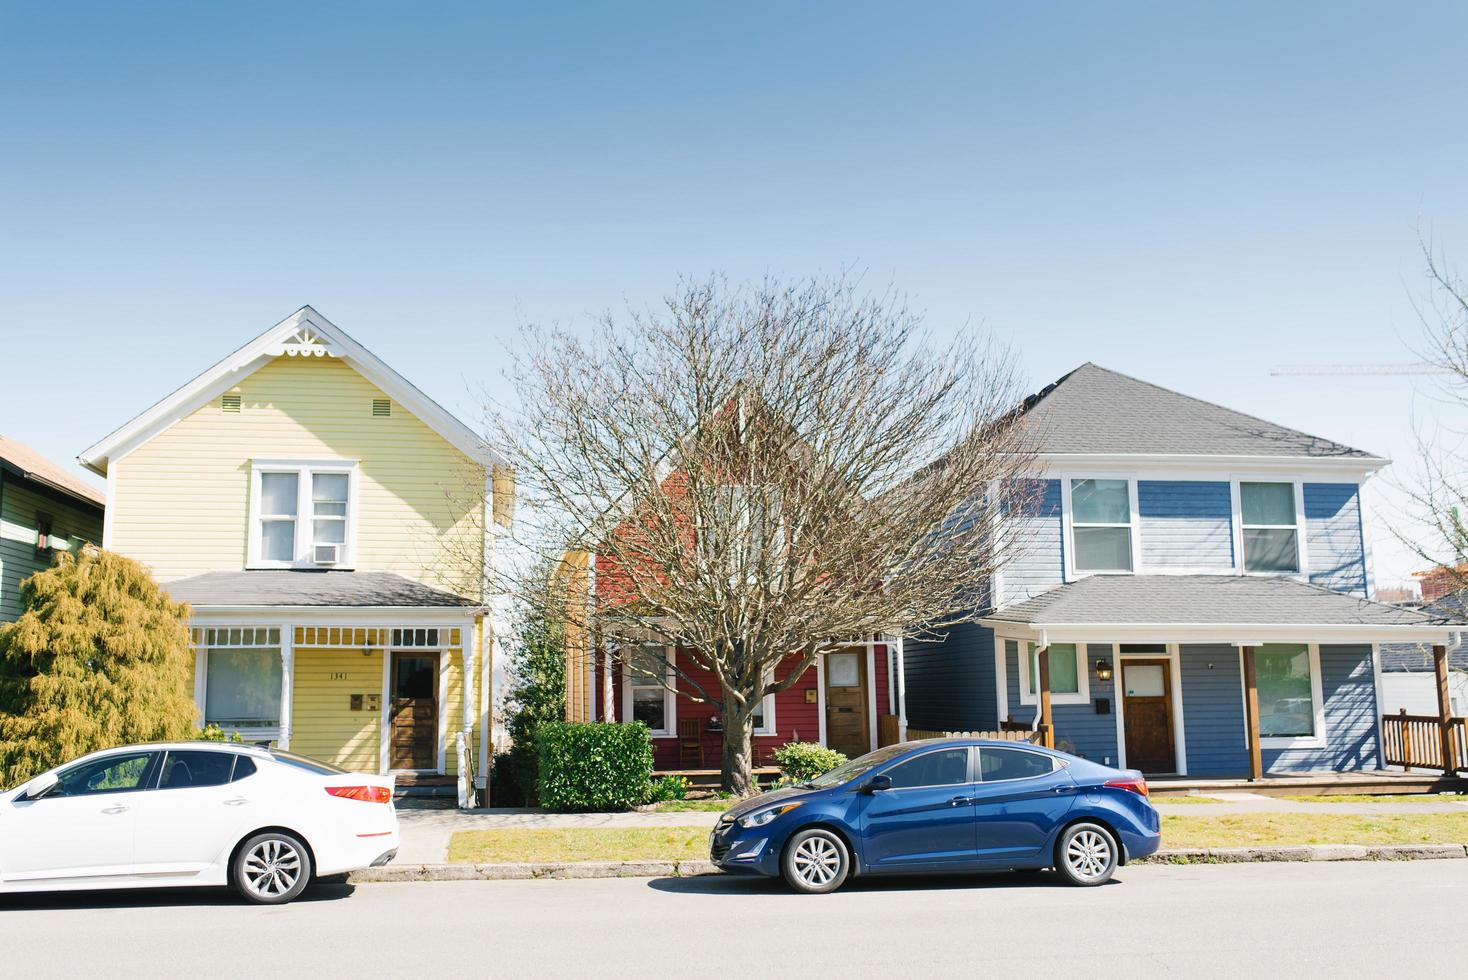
{"x": 1418, "y": 742}
{"x": 1027, "y": 735}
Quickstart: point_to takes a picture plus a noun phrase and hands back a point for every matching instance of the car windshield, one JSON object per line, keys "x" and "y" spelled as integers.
{"x": 310, "y": 765}
{"x": 859, "y": 766}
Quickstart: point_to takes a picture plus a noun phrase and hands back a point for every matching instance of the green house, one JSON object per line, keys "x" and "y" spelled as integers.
{"x": 43, "y": 509}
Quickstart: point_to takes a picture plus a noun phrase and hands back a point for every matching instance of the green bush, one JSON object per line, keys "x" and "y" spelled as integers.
{"x": 213, "y": 733}
{"x": 667, "y": 789}
{"x": 593, "y": 765}
{"x": 799, "y": 761}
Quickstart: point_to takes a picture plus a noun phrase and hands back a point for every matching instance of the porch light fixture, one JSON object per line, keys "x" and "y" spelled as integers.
{"x": 1103, "y": 670}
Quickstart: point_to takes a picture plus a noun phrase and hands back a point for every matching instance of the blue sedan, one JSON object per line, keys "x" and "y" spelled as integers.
{"x": 943, "y": 805}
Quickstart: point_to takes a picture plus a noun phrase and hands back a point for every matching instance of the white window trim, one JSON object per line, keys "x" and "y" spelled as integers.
{"x": 1083, "y": 675}
{"x": 769, "y": 727}
{"x": 305, "y": 528}
{"x": 1070, "y": 571}
{"x": 1173, "y": 656}
{"x": 1302, "y": 554}
{"x": 670, "y": 700}
{"x": 1317, "y": 703}
{"x": 279, "y": 732}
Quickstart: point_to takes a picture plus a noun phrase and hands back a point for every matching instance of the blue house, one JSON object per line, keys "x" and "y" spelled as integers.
{"x": 1187, "y": 591}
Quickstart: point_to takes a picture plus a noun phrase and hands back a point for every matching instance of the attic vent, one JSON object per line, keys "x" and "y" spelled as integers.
{"x": 229, "y": 403}
{"x": 381, "y": 408}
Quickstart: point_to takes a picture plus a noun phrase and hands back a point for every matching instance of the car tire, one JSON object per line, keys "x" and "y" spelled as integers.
{"x": 271, "y": 868}
{"x": 816, "y": 861}
{"x": 1086, "y": 854}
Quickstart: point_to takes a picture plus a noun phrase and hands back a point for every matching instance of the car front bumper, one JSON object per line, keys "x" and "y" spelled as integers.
{"x": 739, "y": 851}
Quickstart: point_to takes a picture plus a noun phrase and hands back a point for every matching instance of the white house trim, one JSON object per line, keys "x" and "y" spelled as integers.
{"x": 821, "y": 697}
{"x": 670, "y": 699}
{"x": 872, "y": 694}
{"x": 1173, "y": 656}
{"x": 1320, "y": 739}
{"x": 304, "y": 471}
{"x": 1083, "y": 681}
{"x": 227, "y": 373}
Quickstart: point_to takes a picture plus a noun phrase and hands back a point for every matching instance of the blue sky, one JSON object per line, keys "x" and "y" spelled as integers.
{"x": 1188, "y": 195}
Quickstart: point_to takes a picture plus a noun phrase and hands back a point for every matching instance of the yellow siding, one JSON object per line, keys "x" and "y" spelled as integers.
{"x": 323, "y": 724}
{"x": 181, "y": 500}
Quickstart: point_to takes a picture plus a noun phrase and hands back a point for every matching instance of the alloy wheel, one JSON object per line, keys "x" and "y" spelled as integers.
{"x": 1088, "y": 854}
{"x": 817, "y": 861}
{"x": 272, "y": 868}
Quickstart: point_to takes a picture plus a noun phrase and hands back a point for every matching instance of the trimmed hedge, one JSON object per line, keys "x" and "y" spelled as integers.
{"x": 799, "y": 761}
{"x": 593, "y": 765}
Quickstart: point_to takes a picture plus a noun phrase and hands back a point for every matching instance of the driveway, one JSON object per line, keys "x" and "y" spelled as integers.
{"x": 1201, "y": 921}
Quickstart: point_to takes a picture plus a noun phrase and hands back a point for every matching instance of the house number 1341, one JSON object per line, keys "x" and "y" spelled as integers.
{"x": 338, "y": 675}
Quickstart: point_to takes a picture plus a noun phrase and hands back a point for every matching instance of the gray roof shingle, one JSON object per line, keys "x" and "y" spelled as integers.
{"x": 1212, "y": 600}
{"x": 309, "y": 587}
{"x": 1095, "y": 410}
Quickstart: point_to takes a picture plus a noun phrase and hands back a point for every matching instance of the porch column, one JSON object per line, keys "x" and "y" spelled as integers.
{"x": 1047, "y": 719}
{"x": 466, "y": 662}
{"x": 1444, "y": 710}
{"x": 287, "y": 682}
{"x": 1251, "y": 715}
{"x": 901, "y": 694}
{"x": 608, "y": 695}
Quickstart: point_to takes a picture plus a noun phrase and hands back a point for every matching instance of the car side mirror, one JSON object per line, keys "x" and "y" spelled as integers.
{"x": 41, "y": 785}
{"x": 876, "y": 784}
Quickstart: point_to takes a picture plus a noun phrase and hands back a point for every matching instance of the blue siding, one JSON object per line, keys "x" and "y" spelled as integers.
{"x": 1185, "y": 524}
{"x": 950, "y": 680}
{"x": 1037, "y": 537}
{"x": 1337, "y": 552}
{"x": 1078, "y": 728}
{"x": 1213, "y": 711}
{"x": 1349, "y": 690}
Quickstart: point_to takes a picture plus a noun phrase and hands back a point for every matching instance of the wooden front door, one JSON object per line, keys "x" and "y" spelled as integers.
{"x": 414, "y": 725}
{"x": 1147, "y": 706}
{"x": 846, "y": 703}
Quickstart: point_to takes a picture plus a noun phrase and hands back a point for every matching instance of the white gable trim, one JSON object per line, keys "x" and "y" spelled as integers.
{"x": 304, "y": 333}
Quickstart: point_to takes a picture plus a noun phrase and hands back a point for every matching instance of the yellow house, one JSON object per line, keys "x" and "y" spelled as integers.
{"x": 333, "y": 529}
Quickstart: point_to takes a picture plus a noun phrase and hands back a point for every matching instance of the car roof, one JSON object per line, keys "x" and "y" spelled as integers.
{"x": 204, "y": 744}
{"x": 998, "y": 743}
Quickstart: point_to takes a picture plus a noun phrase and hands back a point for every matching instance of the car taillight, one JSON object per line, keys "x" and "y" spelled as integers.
{"x": 1132, "y": 784}
{"x": 367, "y": 794}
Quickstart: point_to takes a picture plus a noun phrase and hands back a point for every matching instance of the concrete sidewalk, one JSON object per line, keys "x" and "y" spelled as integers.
{"x": 1240, "y": 803}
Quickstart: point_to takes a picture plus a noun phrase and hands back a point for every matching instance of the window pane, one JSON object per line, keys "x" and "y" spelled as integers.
{"x": 1103, "y": 549}
{"x": 1282, "y": 672}
{"x": 946, "y": 768}
{"x": 999, "y": 764}
{"x": 242, "y": 688}
{"x": 182, "y": 770}
{"x": 278, "y": 540}
{"x": 330, "y": 532}
{"x": 278, "y": 494}
{"x": 649, "y": 705}
{"x": 111, "y": 775}
{"x": 1144, "y": 681}
{"x": 1064, "y": 670}
{"x": 1270, "y": 549}
{"x": 1100, "y": 501}
{"x": 329, "y": 487}
{"x": 1267, "y": 503}
{"x": 843, "y": 670}
{"x": 759, "y": 713}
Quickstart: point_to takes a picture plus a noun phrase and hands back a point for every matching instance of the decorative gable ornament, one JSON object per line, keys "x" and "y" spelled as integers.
{"x": 305, "y": 342}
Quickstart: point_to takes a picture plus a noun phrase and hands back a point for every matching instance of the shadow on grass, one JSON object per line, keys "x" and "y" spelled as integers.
{"x": 725, "y": 884}
{"x": 330, "y": 889}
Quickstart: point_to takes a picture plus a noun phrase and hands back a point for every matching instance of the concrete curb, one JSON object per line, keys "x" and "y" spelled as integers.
{"x": 688, "y": 869}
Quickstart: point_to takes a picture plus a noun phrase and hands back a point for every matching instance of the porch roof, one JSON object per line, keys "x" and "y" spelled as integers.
{"x": 297, "y": 588}
{"x": 1238, "y": 609}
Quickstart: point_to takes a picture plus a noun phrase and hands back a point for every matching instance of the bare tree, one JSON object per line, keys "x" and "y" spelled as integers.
{"x": 764, "y": 473}
{"x": 1437, "y": 494}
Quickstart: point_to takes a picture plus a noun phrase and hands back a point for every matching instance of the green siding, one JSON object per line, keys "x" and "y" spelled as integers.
{"x": 20, "y": 500}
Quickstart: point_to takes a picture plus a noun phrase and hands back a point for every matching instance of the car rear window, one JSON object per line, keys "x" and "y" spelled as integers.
{"x": 310, "y": 765}
{"x": 243, "y": 766}
{"x": 997, "y": 765}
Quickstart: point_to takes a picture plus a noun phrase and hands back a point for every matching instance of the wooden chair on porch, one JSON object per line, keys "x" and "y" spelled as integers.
{"x": 690, "y": 742}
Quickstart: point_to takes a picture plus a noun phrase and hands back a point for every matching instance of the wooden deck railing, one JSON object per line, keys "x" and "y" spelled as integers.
{"x": 1417, "y": 742}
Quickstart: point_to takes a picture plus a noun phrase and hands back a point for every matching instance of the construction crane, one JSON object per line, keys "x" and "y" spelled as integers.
{"x": 1420, "y": 368}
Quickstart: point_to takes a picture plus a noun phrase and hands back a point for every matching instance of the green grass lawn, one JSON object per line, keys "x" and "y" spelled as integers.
{"x": 1368, "y": 798}
{"x": 693, "y": 806}
{"x": 1244, "y": 830}
{"x": 1174, "y": 800}
{"x": 596, "y": 844}
{"x": 1264, "y": 829}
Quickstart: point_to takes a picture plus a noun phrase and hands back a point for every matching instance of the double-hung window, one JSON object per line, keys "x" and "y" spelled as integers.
{"x": 763, "y": 717}
{"x": 1101, "y": 525}
{"x": 1286, "y": 677}
{"x": 1271, "y": 527}
{"x": 301, "y": 514}
{"x": 647, "y": 674}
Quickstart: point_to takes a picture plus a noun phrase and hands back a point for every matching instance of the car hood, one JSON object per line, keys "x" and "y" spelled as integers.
{"x": 774, "y": 796}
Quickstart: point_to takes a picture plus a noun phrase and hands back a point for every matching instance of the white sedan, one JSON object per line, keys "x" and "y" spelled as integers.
{"x": 194, "y": 813}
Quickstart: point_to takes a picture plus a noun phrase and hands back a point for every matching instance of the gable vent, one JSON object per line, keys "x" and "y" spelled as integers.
{"x": 229, "y": 403}
{"x": 381, "y": 408}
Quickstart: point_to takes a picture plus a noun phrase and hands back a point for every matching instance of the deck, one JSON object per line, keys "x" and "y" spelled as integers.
{"x": 1366, "y": 783}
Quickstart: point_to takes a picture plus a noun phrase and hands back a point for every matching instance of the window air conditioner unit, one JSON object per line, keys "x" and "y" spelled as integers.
{"x": 328, "y": 554}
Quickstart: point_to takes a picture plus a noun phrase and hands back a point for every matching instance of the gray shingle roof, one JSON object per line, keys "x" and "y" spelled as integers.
{"x": 1418, "y": 656}
{"x": 1095, "y": 410}
{"x": 1212, "y": 600}
{"x": 308, "y": 587}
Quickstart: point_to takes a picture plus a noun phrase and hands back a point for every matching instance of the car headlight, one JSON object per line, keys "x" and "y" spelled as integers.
{"x": 761, "y": 817}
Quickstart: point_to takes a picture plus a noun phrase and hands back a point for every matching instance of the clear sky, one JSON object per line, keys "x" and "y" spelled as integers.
{"x": 1191, "y": 196}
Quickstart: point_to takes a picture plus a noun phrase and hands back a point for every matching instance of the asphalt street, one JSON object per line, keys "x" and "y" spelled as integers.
{"x": 1295, "y": 920}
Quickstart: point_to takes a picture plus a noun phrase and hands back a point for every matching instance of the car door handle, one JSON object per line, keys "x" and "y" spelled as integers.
{"x": 959, "y": 801}
{"x": 237, "y": 801}
{"x": 118, "y": 808}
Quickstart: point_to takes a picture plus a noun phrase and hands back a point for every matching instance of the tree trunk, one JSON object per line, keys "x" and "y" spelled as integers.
{"x": 737, "y": 757}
